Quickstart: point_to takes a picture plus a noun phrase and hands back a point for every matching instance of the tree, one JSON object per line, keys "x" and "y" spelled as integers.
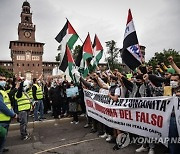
{"x": 58, "y": 57}
{"x": 113, "y": 53}
{"x": 76, "y": 51}
{"x": 161, "y": 57}
{"x": 6, "y": 73}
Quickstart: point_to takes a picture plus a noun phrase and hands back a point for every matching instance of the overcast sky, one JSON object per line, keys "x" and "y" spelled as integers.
{"x": 157, "y": 22}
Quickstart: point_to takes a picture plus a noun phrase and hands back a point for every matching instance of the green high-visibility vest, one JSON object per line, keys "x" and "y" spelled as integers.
{"x": 7, "y": 102}
{"x": 23, "y": 102}
{"x": 39, "y": 92}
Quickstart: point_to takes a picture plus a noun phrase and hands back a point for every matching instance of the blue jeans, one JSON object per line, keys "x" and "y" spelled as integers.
{"x": 3, "y": 139}
{"x": 174, "y": 148}
{"x": 39, "y": 106}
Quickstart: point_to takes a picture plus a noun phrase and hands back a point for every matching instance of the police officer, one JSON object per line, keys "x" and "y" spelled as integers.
{"x": 24, "y": 106}
{"x": 6, "y": 112}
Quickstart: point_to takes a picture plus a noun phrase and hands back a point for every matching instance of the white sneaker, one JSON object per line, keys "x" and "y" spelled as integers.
{"x": 76, "y": 122}
{"x": 86, "y": 125}
{"x": 151, "y": 151}
{"x": 72, "y": 122}
{"x": 103, "y": 136}
{"x": 26, "y": 138}
{"x": 141, "y": 149}
{"x": 109, "y": 138}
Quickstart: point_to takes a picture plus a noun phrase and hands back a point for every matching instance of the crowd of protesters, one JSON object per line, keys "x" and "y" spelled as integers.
{"x": 145, "y": 82}
{"x": 19, "y": 98}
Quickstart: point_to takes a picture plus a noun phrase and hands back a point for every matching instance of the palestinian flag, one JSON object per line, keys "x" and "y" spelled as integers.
{"x": 97, "y": 52}
{"x": 67, "y": 36}
{"x": 68, "y": 64}
{"x": 131, "y": 54}
{"x": 87, "y": 55}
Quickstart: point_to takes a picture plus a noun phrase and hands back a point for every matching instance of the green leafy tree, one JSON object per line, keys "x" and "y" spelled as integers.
{"x": 161, "y": 57}
{"x": 6, "y": 73}
{"x": 76, "y": 51}
{"x": 113, "y": 55}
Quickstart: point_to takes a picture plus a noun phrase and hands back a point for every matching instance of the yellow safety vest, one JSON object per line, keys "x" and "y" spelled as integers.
{"x": 39, "y": 92}
{"x": 8, "y": 90}
{"x": 23, "y": 102}
{"x": 7, "y": 102}
{"x": 30, "y": 93}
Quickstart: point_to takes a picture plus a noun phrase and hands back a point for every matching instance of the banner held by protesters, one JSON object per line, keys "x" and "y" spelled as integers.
{"x": 148, "y": 117}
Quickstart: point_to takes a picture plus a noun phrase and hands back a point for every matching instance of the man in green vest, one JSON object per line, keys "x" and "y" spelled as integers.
{"x": 38, "y": 99}
{"x": 24, "y": 106}
{"x": 6, "y": 112}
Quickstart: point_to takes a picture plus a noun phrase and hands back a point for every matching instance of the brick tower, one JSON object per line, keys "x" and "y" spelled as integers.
{"x": 26, "y": 53}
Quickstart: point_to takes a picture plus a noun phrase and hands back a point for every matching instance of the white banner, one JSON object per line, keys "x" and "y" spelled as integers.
{"x": 147, "y": 117}
{"x": 177, "y": 112}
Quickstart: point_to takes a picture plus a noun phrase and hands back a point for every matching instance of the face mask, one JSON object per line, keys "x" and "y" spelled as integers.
{"x": 25, "y": 88}
{"x": 53, "y": 85}
{"x": 138, "y": 84}
{"x": 2, "y": 83}
{"x": 92, "y": 84}
{"x": 150, "y": 72}
{"x": 39, "y": 82}
{"x": 174, "y": 84}
{"x": 71, "y": 86}
{"x": 112, "y": 84}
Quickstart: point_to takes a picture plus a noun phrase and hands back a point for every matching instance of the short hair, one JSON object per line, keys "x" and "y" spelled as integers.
{"x": 113, "y": 78}
{"x": 139, "y": 76}
{"x": 94, "y": 79}
{"x": 72, "y": 82}
{"x": 34, "y": 80}
{"x": 2, "y": 74}
{"x": 176, "y": 75}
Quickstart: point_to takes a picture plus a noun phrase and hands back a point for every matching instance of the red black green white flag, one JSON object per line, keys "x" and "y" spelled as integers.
{"x": 131, "y": 54}
{"x": 66, "y": 36}
{"x": 87, "y": 54}
{"x": 68, "y": 64}
{"x": 97, "y": 51}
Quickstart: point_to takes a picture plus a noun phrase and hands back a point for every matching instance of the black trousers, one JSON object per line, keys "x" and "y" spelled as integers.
{"x": 56, "y": 109}
{"x": 75, "y": 116}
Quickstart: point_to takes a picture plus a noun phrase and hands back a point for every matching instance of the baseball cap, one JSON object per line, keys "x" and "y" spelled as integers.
{"x": 171, "y": 71}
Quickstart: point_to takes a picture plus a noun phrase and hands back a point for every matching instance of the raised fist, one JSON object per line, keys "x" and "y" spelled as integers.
{"x": 170, "y": 59}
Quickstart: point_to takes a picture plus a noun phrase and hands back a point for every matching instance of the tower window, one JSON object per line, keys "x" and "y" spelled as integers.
{"x": 22, "y": 64}
{"x": 28, "y": 65}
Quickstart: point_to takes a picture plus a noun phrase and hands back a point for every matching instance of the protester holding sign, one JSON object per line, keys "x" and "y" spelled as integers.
{"x": 73, "y": 105}
{"x": 92, "y": 84}
{"x": 140, "y": 88}
{"x": 114, "y": 93}
{"x": 174, "y": 148}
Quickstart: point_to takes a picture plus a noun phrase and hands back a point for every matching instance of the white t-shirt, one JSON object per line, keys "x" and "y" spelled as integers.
{"x": 103, "y": 91}
{"x": 117, "y": 91}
